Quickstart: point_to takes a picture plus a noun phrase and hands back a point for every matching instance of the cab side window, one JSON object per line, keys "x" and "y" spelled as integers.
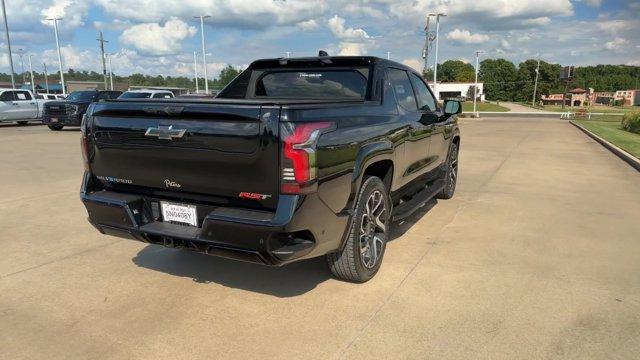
{"x": 7, "y": 96}
{"x": 426, "y": 101}
{"x": 104, "y": 96}
{"x": 403, "y": 89}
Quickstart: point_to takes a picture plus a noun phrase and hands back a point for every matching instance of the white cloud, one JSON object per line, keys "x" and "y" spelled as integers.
{"x": 336, "y": 25}
{"x": 616, "y": 44}
{"x": 592, "y": 3}
{"x": 466, "y": 37}
{"x": 231, "y": 13}
{"x": 308, "y": 25}
{"x": 156, "y": 39}
{"x": 505, "y": 44}
{"x": 416, "y": 64}
{"x": 352, "y": 49}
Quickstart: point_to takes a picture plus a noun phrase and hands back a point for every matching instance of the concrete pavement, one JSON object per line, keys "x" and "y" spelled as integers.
{"x": 518, "y": 108}
{"x": 537, "y": 256}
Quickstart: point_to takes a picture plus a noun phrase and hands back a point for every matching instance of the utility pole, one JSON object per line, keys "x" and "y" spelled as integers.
{"x": 427, "y": 41}
{"x": 104, "y": 65}
{"x": 435, "y": 65}
{"x": 195, "y": 70}
{"x": 6, "y": 30}
{"x": 33, "y": 83}
{"x": 535, "y": 85}
{"x": 110, "y": 71}
{"x": 288, "y": 54}
{"x": 388, "y": 55}
{"x": 55, "y": 27}
{"x": 204, "y": 51}
{"x": 46, "y": 77}
{"x": 475, "y": 87}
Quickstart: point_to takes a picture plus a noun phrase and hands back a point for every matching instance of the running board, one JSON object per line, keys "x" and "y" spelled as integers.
{"x": 419, "y": 199}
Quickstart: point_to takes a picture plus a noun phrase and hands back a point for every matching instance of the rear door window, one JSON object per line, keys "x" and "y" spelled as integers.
{"x": 403, "y": 89}
{"x": 314, "y": 84}
{"x": 23, "y": 96}
{"x": 7, "y": 96}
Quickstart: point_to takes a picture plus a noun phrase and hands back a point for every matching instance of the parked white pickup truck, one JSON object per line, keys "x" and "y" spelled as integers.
{"x": 20, "y": 106}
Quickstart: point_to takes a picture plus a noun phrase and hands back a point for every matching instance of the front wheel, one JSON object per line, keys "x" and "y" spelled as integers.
{"x": 451, "y": 174}
{"x": 362, "y": 254}
{"x": 55, "y": 127}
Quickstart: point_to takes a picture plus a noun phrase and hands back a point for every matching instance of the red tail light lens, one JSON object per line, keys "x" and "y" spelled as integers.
{"x": 299, "y": 155}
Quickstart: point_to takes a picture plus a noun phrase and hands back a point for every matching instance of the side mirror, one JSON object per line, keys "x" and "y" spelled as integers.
{"x": 452, "y": 107}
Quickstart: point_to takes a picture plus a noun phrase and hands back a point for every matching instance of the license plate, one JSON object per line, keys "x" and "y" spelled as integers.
{"x": 54, "y": 120}
{"x": 185, "y": 214}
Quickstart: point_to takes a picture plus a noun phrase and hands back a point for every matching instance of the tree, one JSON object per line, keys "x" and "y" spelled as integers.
{"x": 226, "y": 76}
{"x": 455, "y": 70}
{"x": 498, "y": 76}
{"x": 548, "y": 80}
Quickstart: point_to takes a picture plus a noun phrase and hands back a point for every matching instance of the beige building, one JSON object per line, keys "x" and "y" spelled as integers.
{"x": 628, "y": 97}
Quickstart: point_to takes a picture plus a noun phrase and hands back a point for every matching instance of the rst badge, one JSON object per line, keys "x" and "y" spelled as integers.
{"x": 253, "y": 196}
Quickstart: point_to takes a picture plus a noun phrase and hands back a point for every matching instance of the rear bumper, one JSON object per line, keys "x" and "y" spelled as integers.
{"x": 67, "y": 120}
{"x": 300, "y": 228}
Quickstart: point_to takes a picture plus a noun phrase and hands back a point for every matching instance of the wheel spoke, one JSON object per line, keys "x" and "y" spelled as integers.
{"x": 379, "y": 223}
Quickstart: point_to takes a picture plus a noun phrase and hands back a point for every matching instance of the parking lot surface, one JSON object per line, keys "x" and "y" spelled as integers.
{"x": 537, "y": 256}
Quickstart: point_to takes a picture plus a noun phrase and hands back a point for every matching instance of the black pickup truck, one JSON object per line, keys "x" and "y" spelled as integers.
{"x": 69, "y": 112}
{"x": 296, "y": 158}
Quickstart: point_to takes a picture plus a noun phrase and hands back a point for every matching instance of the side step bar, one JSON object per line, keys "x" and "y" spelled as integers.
{"x": 417, "y": 201}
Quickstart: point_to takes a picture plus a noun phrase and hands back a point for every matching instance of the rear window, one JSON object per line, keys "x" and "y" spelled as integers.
{"x": 314, "y": 84}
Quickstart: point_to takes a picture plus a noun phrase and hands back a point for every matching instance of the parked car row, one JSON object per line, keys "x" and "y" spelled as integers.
{"x": 56, "y": 112}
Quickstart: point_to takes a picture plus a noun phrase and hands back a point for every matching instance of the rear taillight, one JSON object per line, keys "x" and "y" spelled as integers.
{"x": 299, "y": 156}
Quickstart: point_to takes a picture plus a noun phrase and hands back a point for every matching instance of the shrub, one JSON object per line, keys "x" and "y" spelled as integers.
{"x": 631, "y": 122}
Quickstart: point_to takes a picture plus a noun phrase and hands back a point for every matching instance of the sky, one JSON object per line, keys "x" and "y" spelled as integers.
{"x": 158, "y": 37}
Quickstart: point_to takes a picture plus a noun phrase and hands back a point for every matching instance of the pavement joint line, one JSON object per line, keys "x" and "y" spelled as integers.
{"x": 621, "y": 153}
{"x": 61, "y": 259}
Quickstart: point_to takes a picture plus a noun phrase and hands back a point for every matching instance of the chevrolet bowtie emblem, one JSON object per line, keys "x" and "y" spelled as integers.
{"x": 165, "y": 132}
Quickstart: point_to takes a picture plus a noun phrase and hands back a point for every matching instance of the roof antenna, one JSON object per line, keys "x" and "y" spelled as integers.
{"x": 323, "y": 53}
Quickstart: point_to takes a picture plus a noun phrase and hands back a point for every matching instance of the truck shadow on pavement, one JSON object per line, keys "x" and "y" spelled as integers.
{"x": 288, "y": 281}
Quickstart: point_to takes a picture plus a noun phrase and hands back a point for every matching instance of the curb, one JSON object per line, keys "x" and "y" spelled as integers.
{"x": 625, "y": 156}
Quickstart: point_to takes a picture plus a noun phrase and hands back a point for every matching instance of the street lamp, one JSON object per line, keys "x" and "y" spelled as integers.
{"x": 475, "y": 87}
{"x": 33, "y": 83}
{"x": 195, "y": 70}
{"x": 6, "y": 29}
{"x": 110, "y": 70}
{"x": 435, "y": 65}
{"x": 204, "y": 51}
{"x": 55, "y": 27}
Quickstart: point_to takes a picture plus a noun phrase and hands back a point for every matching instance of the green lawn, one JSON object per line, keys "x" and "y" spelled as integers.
{"x": 595, "y": 109}
{"x": 467, "y": 107}
{"x": 612, "y": 132}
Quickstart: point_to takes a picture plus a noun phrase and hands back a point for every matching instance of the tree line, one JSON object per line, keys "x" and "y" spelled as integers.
{"x": 226, "y": 75}
{"x": 505, "y": 81}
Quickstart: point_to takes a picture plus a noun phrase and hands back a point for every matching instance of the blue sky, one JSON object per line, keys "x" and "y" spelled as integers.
{"x": 159, "y": 36}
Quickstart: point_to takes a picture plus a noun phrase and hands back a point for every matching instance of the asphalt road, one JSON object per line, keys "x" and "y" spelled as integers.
{"x": 537, "y": 256}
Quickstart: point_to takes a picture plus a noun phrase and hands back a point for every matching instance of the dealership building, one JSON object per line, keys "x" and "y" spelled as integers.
{"x": 457, "y": 90}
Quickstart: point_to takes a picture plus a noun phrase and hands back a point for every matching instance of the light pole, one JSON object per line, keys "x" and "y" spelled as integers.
{"x": 475, "y": 87}
{"x": 204, "y": 51}
{"x": 435, "y": 65}
{"x": 535, "y": 86}
{"x": 55, "y": 28}
{"x": 46, "y": 77}
{"x": 20, "y": 52}
{"x": 388, "y": 55}
{"x": 110, "y": 71}
{"x": 6, "y": 30}
{"x": 195, "y": 70}
{"x": 33, "y": 83}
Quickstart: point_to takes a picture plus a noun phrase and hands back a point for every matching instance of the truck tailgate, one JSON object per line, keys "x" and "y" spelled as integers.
{"x": 218, "y": 151}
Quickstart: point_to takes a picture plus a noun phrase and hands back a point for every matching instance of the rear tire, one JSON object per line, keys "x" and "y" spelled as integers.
{"x": 362, "y": 254}
{"x": 55, "y": 127}
{"x": 451, "y": 175}
{"x": 22, "y": 123}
